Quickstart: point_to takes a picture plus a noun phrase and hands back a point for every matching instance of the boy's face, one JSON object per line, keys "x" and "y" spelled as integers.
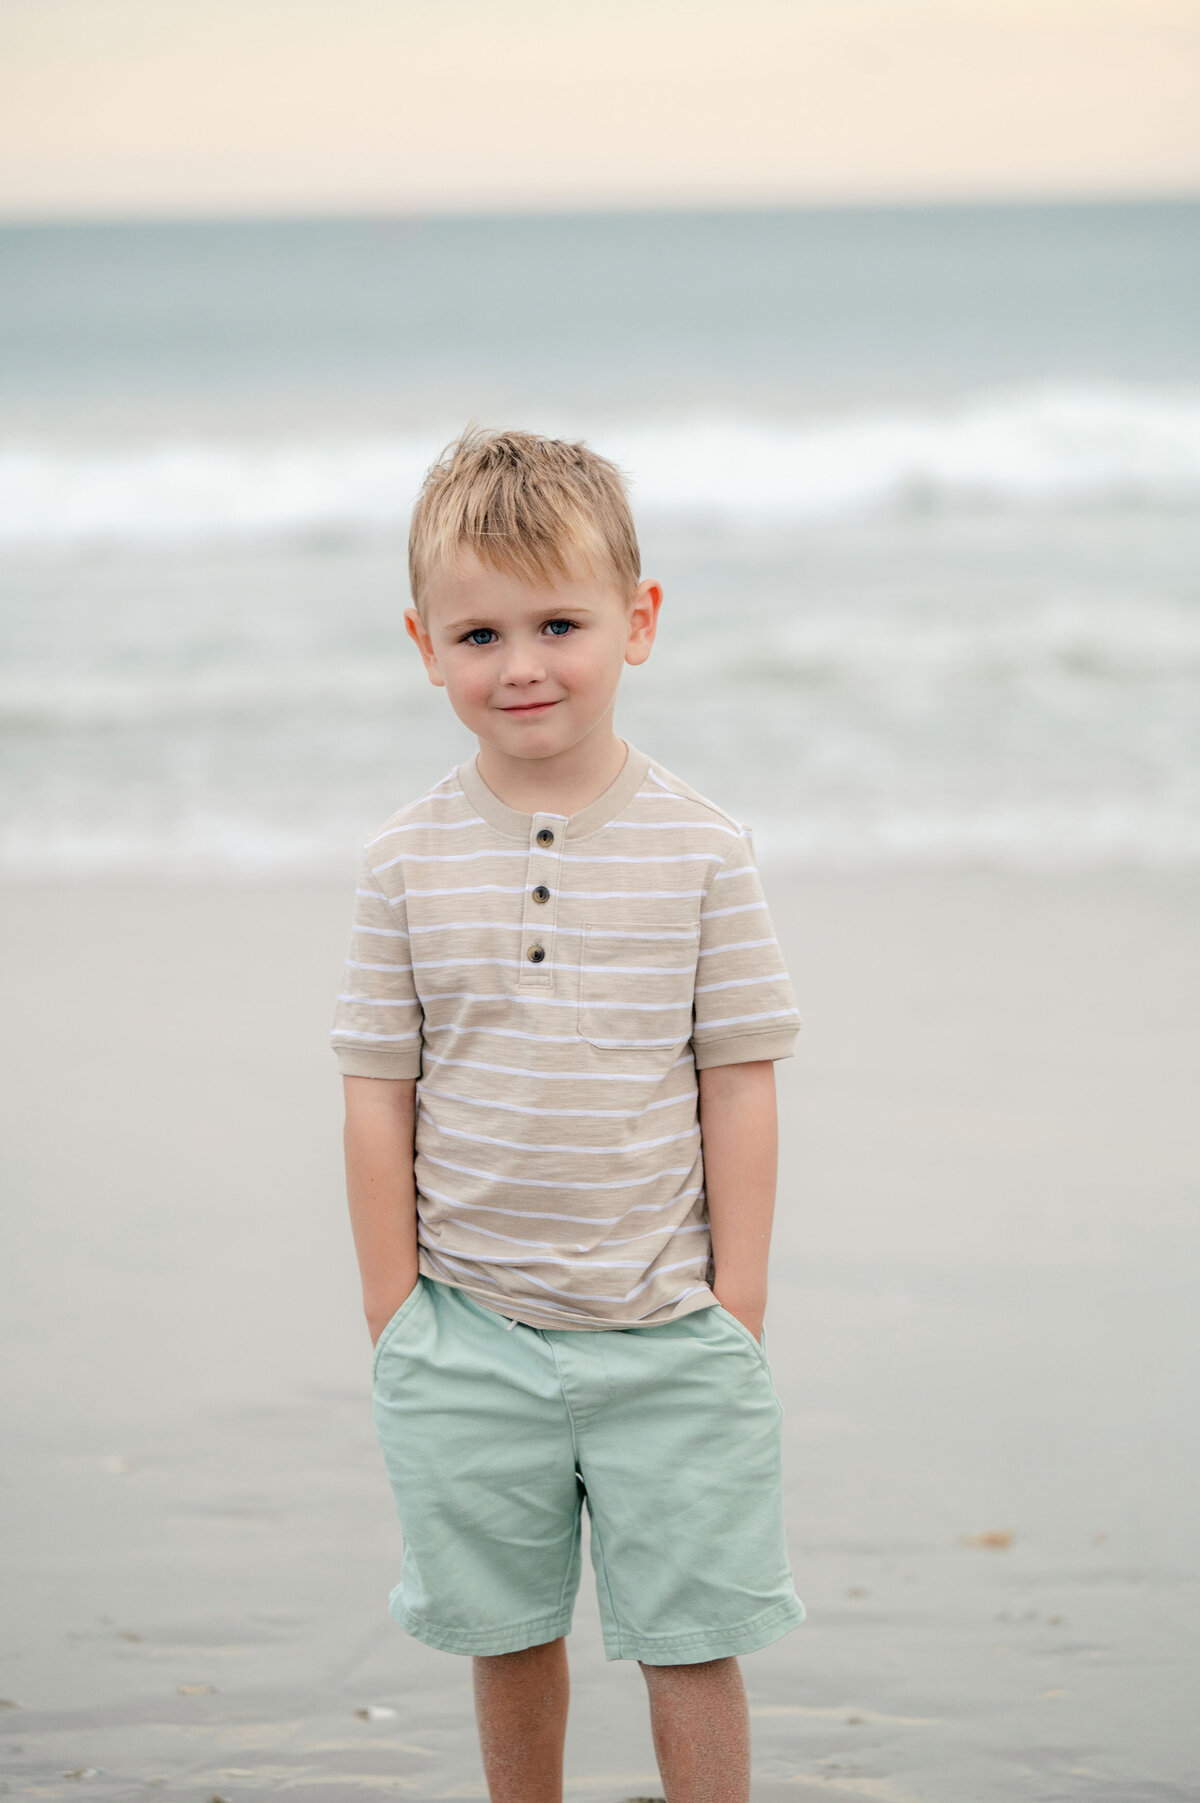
{"x": 532, "y": 670}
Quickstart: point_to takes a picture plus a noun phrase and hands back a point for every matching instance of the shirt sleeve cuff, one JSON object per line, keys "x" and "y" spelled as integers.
{"x": 355, "y": 1061}
{"x": 745, "y": 1048}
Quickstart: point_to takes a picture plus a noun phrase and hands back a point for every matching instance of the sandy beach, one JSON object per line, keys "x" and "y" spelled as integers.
{"x": 982, "y": 1326}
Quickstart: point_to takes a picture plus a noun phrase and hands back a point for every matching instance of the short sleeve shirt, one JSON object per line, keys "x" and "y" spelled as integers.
{"x": 554, "y": 983}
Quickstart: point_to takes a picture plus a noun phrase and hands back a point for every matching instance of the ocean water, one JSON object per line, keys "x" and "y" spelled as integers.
{"x": 922, "y": 486}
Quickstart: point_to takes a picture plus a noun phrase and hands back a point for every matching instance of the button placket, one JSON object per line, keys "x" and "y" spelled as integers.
{"x": 540, "y": 912}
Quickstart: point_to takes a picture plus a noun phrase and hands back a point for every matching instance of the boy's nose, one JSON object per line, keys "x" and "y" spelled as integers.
{"x": 522, "y": 666}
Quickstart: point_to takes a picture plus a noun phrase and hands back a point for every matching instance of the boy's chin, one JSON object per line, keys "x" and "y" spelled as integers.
{"x": 535, "y": 741}
{"x": 554, "y": 727}
{"x": 532, "y": 747}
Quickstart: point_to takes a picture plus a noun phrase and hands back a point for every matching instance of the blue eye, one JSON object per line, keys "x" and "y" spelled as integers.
{"x": 479, "y": 635}
{"x": 560, "y": 628}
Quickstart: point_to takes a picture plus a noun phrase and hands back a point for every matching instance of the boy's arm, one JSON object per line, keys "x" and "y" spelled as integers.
{"x": 381, "y": 1190}
{"x": 739, "y": 1135}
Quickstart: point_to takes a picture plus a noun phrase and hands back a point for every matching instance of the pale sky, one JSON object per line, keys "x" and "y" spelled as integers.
{"x": 251, "y": 106}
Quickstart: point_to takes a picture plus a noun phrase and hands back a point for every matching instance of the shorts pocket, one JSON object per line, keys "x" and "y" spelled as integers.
{"x": 637, "y": 990}
{"x": 407, "y": 1308}
{"x": 759, "y": 1345}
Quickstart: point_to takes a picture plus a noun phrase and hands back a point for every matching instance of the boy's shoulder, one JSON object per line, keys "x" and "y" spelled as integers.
{"x": 690, "y": 807}
{"x": 444, "y": 808}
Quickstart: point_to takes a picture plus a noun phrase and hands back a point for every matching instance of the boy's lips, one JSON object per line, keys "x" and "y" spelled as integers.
{"x": 530, "y": 707}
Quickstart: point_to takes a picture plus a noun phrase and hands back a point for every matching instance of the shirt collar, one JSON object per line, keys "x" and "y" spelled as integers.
{"x": 514, "y": 825}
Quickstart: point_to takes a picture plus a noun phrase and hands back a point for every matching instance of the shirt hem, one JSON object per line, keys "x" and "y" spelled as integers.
{"x": 745, "y": 1048}
{"x": 510, "y": 1309}
{"x": 353, "y": 1062}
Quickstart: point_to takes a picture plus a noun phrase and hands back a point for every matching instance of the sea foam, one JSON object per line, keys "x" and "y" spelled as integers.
{"x": 1080, "y": 446}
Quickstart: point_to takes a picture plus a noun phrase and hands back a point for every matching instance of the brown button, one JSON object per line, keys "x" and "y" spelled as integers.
{"x": 545, "y": 836}
{"x": 541, "y": 893}
{"x": 536, "y": 953}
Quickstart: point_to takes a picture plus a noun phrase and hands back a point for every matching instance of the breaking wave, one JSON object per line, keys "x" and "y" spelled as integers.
{"x": 1082, "y": 446}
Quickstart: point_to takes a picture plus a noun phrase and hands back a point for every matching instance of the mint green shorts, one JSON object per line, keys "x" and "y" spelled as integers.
{"x": 495, "y": 1435}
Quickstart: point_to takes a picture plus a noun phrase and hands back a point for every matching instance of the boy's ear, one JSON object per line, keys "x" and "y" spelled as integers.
{"x": 418, "y": 633}
{"x": 643, "y": 621}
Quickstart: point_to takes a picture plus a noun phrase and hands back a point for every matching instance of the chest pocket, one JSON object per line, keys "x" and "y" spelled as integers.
{"x": 636, "y": 990}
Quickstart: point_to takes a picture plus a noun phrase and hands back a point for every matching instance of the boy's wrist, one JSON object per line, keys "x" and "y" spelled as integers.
{"x": 745, "y": 1278}
{"x": 744, "y": 1297}
{"x": 382, "y": 1299}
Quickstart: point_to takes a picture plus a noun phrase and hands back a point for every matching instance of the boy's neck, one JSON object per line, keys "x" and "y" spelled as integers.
{"x": 563, "y": 784}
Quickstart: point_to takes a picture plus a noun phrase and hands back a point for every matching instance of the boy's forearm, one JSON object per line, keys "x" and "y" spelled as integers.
{"x": 739, "y": 1131}
{"x": 381, "y": 1191}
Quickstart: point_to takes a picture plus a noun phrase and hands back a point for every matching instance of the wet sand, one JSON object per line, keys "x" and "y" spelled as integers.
{"x": 982, "y": 1325}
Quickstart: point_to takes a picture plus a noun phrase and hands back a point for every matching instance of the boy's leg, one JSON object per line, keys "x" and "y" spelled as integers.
{"x": 701, "y": 1728}
{"x": 521, "y": 1710}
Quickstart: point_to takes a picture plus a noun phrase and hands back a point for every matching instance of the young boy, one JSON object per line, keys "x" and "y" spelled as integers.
{"x": 560, "y": 1011}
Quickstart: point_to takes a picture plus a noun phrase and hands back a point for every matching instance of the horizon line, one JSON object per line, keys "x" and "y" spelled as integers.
{"x": 401, "y": 213}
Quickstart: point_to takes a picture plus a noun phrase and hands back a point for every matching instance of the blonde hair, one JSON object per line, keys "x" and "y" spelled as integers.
{"x": 526, "y": 505}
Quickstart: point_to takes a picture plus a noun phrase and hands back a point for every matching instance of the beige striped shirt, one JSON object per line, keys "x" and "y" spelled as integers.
{"x": 554, "y": 983}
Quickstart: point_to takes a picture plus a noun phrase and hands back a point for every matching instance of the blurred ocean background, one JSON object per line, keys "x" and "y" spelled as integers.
{"x": 921, "y": 484}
